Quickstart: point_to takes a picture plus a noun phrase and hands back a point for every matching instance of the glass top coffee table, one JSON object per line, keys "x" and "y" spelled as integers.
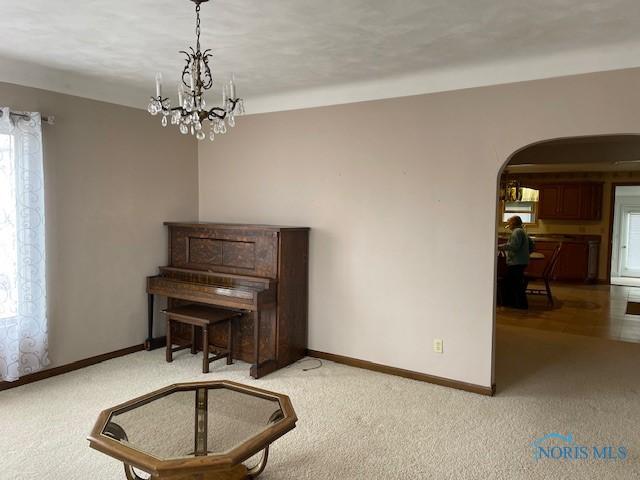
{"x": 189, "y": 429}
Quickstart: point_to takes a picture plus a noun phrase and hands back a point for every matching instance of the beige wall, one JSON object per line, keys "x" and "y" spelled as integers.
{"x": 112, "y": 176}
{"x": 401, "y": 197}
{"x": 600, "y": 227}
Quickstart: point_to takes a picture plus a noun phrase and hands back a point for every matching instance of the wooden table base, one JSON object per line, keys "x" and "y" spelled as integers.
{"x": 237, "y": 472}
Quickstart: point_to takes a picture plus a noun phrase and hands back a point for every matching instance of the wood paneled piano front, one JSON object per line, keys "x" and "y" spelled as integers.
{"x": 259, "y": 270}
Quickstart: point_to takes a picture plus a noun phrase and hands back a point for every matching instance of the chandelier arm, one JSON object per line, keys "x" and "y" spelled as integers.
{"x": 160, "y": 101}
{"x": 186, "y": 71}
{"x": 213, "y": 113}
{"x": 208, "y": 83}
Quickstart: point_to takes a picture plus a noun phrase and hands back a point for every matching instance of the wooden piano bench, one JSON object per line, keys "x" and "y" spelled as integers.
{"x": 202, "y": 316}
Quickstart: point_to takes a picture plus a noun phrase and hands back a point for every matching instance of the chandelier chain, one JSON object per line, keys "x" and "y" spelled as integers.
{"x": 197, "y": 27}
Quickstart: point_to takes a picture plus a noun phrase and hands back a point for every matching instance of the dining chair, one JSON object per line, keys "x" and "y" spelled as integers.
{"x": 545, "y": 277}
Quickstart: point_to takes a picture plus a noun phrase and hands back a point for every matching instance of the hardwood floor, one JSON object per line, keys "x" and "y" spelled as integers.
{"x": 590, "y": 310}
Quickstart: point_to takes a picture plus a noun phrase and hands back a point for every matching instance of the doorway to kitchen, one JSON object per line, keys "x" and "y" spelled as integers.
{"x": 578, "y": 199}
{"x": 625, "y": 235}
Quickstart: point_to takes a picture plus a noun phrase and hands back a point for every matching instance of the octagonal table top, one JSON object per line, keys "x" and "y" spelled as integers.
{"x": 189, "y": 427}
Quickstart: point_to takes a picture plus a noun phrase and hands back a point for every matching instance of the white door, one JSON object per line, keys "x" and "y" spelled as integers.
{"x": 630, "y": 242}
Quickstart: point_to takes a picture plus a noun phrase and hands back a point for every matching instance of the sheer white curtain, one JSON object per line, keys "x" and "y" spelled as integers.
{"x": 23, "y": 317}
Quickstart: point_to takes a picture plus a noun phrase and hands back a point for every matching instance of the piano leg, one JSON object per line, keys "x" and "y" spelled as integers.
{"x": 169, "y": 353}
{"x": 230, "y": 340}
{"x": 149, "y": 341}
{"x": 194, "y": 349}
{"x": 256, "y": 340}
{"x": 152, "y": 343}
{"x": 205, "y": 349}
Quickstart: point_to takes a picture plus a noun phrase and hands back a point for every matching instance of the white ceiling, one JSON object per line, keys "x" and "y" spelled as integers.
{"x": 295, "y": 53}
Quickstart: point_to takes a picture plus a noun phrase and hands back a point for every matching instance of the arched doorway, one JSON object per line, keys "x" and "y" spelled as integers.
{"x": 566, "y": 191}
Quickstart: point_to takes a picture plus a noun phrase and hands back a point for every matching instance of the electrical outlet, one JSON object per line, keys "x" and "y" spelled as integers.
{"x": 437, "y": 345}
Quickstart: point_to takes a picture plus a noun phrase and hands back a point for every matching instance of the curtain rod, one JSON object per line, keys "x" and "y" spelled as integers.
{"x": 49, "y": 119}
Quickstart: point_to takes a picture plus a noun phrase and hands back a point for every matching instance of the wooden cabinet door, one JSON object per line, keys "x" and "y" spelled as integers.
{"x": 592, "y": 202}
{"x": 571, "y": 201}
{"x": 573, "y": 263}
{"x": 548, "y": 201}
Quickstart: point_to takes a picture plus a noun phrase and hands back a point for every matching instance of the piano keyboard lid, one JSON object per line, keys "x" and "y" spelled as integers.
{"x": 219, "y": 279}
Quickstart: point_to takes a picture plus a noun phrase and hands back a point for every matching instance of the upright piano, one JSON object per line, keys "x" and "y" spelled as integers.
{"x": 259, "y": 270}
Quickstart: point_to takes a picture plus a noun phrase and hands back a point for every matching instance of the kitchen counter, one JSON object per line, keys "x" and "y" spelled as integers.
{"x": 578, "y": 260}
{"x": 558, "y": 237}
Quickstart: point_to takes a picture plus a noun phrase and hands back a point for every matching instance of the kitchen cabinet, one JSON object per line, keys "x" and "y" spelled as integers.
{"x": 578, "y": 260}
{"x": 570, "y": 201}
{"x": 573, "y": 263}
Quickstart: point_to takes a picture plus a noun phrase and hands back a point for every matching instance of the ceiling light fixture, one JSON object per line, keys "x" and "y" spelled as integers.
{"x": 191, "y": 112}
{"x": 510, "y": 190}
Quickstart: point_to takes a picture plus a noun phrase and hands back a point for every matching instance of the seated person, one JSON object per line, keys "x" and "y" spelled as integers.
{"x": 518, "y": 249}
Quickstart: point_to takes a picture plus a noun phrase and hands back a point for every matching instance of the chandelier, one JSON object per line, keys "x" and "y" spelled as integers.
{"x": 511, "y": 191}
{"x": 191, "y": 114}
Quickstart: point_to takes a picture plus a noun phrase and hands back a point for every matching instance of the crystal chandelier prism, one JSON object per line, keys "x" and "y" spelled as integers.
{"x": 191, "y": 114}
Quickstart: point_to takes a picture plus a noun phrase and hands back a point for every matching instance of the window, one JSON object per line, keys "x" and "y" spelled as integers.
{"x": 23, "y": 309}
{"x": 526, "y": 208}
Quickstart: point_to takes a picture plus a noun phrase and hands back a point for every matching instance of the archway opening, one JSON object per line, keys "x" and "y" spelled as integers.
{"x": 570, "y": 273}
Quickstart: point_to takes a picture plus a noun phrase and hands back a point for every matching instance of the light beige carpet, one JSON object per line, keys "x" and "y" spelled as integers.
{"x": 356, "y": 424}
